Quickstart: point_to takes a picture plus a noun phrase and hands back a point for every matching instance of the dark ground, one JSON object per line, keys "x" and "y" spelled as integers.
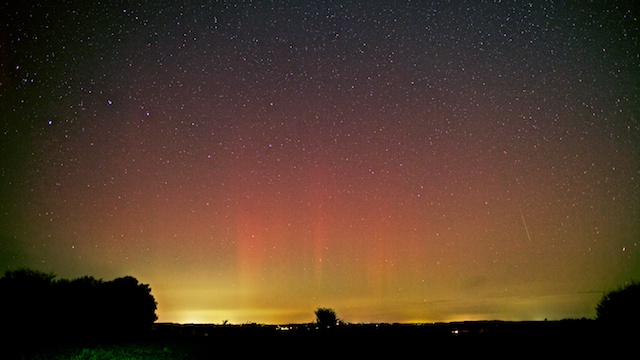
{"x": 496, "y": 339}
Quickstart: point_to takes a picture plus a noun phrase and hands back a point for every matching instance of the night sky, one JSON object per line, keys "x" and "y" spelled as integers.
{"x": 397, "y": 161}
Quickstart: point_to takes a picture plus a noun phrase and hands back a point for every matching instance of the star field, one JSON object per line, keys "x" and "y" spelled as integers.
{"x": 396, "y": 161}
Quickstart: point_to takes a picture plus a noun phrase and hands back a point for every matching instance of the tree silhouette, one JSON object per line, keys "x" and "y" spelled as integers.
{"x": 25, "y": 300}
{"x": 77, "y": 303}
{"x": 129, "y": 306}
{"x": 620, "y": 306}
{"x": 326, "y": 318}
{"x": 36, "y": 306}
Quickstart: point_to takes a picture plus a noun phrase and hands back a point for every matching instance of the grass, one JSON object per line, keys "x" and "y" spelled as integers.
{"x": 138, "y": 351}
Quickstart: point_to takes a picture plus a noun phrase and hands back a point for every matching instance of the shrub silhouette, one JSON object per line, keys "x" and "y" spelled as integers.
{"x": 620, "y": 306}
{"x": 326, "y": 318}
{"x": 35, "y": 305}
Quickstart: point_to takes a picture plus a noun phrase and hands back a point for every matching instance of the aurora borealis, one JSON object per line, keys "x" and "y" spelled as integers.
{"x": 397, "y": 161}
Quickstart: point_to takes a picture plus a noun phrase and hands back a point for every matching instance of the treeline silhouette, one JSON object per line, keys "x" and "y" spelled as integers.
{"x": 35, "y": 305}
{"x": 621, "y": 306}
{"x": 38, "y": 310}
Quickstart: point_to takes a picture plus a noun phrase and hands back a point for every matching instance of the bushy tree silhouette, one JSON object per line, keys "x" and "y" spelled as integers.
{"x": 25, "y": 297}
{"x": 35, "y": 305}
{"x": 620, "y": 306}
{"x": 129, "y": 306}
{"x": 78, "y": 303}
{"x": 326, "y": 318}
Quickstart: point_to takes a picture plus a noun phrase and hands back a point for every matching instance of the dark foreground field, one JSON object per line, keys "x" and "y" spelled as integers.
{"x": 574, "y": 338}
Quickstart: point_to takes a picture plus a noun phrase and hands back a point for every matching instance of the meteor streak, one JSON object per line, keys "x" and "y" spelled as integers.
{"x": 525, "y": 225}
